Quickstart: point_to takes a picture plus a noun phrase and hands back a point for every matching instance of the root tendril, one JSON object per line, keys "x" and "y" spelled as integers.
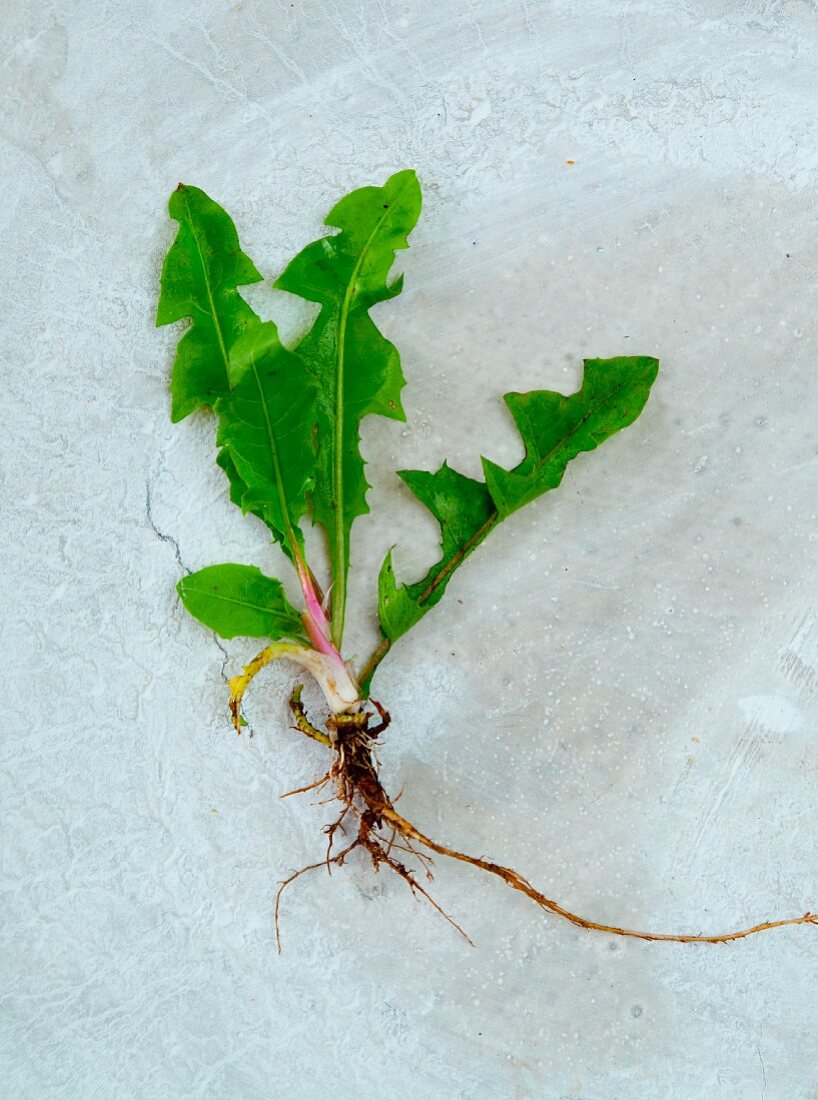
{"x": 382, "y": 830}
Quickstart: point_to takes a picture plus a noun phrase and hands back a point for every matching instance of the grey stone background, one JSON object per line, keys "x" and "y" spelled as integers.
{"x": 619, "y": 698}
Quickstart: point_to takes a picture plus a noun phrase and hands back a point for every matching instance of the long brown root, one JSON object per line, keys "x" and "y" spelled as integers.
{"x": 516, "y": 881}
{"x": 382, "y": 830}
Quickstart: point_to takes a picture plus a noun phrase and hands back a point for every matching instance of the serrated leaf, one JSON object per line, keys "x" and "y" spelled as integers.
{"x": 465, "y": 512}
{"x": 265, "y": 431}
{"x": 555, "y": 428}
{"x": 202, "y": 269}
{"x": 356, "y": 368}
{"x": 240, "y": 601}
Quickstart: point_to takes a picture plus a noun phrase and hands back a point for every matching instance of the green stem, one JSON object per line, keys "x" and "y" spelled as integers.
{"x": 368, "y": 671}
{"x": 340, "y": 547}
{"x": 339, "y": 541}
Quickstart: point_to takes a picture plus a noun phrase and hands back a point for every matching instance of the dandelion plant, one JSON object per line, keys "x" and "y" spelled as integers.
{"x": 287, "y": 437}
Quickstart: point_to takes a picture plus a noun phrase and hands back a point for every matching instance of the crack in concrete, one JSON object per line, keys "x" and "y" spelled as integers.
{"x": 162, "y": 534}
{"x": 171, "y": 541}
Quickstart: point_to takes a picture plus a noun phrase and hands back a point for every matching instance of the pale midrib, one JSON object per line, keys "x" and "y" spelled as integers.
{"x": 339, "y": 558}
{"x": 542, "y": 462}
{"x": 211, "y": 301}
{"x": 235, "y": 602}
{"x": 457, "y": 559}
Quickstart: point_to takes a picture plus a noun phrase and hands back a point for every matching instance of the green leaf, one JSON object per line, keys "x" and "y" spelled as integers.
{"x": 238, "y": 489}
{"x": 202, "y": 269}
{"x": 357, "y": 369}
{"x": 265, "y": 431}
{"x": 464, "y": 510}
{"x": 240, "y": 601}
{"x": 554, "y": 429}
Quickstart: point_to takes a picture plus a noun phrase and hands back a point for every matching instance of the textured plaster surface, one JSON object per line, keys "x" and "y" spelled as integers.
{"x": 623, "y": 698}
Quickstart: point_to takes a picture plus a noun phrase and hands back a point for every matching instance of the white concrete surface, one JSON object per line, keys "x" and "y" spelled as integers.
{"x": 621, "y": 698}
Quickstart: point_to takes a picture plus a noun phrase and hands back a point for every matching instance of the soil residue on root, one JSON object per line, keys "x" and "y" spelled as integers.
{"x": 368, "y": 816}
